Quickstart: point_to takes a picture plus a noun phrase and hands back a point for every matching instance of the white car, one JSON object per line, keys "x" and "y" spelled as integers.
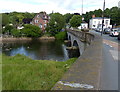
{"x": 114, "y": 32}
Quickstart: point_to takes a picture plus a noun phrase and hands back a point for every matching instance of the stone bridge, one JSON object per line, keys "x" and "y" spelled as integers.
{"x": 79, "y": 39}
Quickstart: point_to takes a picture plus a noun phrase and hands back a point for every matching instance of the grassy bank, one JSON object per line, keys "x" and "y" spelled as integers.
{"x": 22, "y": 73}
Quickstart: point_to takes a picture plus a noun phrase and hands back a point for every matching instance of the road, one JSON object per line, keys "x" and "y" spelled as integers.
{"x": 109, "y": 70}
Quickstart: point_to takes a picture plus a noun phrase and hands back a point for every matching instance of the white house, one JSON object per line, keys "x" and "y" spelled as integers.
{"x": 84, "y": 25}
{"x": 96, "y": 22}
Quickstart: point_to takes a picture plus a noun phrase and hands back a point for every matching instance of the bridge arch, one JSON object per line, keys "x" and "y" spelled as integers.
{"x": 75, "y": 43}
{"x": 69, "y": 37}
{"x": 77, "y": 48}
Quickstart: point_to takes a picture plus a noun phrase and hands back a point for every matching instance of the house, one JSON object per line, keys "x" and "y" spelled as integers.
{"x": 96, "y": 22}
{"x": 41, "y": 20}
{"x": 84, "y": 25}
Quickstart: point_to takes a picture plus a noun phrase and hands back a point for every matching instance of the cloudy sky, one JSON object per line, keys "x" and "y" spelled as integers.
{"x": 62, "y": 6}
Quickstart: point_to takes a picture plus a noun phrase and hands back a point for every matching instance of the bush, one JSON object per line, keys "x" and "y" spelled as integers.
{"x": 61, "y": 35}
{"x": 7, "y": 29}
{"x": 31, "y": 31}
{"x": 16, "y": 32}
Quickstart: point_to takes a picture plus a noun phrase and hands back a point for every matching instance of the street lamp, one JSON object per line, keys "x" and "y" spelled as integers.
{"x": 103, "y": 17}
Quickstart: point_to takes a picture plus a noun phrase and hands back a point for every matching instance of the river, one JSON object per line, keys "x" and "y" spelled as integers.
{"x": 37, "y": 49}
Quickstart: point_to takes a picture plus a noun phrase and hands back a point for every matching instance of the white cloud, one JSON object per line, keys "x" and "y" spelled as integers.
{"x": 62, "y": 6}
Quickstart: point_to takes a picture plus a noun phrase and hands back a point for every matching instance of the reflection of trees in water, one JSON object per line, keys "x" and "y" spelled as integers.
{"x": 42, "y": 49}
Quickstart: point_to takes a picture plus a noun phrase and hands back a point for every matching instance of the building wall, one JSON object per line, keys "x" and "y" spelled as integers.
{"x": 84, "y": 25}
{"x": 38, "y": 21}
{"x": 95, "y": 23}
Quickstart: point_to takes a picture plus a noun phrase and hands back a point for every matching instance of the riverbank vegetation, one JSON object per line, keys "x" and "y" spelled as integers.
{"x": 22, "y": 73}
{"x": 61, "y": 35}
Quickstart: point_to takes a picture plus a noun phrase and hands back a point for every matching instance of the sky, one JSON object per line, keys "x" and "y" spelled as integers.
{"x": 61, "y": 6}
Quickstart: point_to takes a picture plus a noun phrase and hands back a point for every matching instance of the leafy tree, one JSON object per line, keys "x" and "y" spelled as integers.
{"x": 107, "y": 12}
{"x": 31, "y": 31}
{"x": 67, "y": 17}
{"x": 98, "y": 13}
{"x": 8, "y": 29}
{"x": 75, "y": 21}
{"x": 57, "y": 22}
{"x": 114, "y": 15}
{"x": 16, "y": 32}
{"x": 5, "y": 19}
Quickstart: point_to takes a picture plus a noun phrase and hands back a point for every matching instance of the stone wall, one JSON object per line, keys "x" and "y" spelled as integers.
{"x": 83, "y": 36}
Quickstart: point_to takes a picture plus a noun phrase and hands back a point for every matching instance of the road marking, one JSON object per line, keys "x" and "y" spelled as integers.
{"x": 114, "y": 54}
{"x": 112, "y": 44}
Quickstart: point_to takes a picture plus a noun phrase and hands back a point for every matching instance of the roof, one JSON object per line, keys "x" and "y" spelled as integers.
{"x": 42, "y": 15}
{"x": 84, "y": 22}
{"x": 100, "y": 18}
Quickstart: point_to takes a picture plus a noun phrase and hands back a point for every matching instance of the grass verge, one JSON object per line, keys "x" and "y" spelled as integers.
{"x": 22, "y": 73}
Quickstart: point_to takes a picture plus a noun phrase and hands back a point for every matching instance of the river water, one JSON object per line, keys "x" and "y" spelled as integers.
{"x": 37, "y": 50}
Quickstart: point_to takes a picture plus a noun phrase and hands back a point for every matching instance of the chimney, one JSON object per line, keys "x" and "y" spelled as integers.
{"x": 93, "y": 16}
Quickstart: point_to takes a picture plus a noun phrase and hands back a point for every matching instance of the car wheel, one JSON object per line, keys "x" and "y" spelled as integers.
{"x": 112, "y": 35}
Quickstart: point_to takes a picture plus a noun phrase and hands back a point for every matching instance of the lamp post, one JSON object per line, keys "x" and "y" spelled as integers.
{"x": 103, "y": 17}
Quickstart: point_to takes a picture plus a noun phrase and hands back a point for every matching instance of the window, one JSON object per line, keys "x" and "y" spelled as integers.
{"x": 36, "y": 21}
{"x": 45, "y": 21}
{"x": 106, "y": 22}
{"x": 45, "y": 25}
{"x": 40, "y": 25}
{"x": 94, "y": 22}
{"x": 38, "y": 16}
{"x": 98, "y": 22}
{"x": 93, "y": 25}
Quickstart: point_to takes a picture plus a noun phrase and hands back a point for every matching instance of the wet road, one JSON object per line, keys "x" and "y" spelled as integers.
{"x": 109, "y": 70}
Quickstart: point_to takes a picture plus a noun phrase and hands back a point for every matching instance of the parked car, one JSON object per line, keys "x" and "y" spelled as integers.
{"x": 106, "y": 31}
{"x": 119, "y": 36}
{"x": 114, "y": 32}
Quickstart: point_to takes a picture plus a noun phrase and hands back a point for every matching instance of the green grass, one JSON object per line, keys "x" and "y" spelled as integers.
{"x": 22, "y": 73}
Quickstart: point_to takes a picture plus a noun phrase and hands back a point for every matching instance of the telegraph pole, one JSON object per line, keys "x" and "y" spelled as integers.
{"x": 82, "y": 8}
{"x": 103, "y": 17}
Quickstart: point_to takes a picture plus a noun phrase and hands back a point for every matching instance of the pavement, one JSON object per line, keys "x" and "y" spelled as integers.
{"x": 84, "y": 74}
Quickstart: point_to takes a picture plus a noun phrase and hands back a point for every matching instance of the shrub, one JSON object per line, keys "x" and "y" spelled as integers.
{"x": 61, "y": 35}
{"x": 8, "y": 28}
{"x": 31, "y": 31}
{"x": 16, "y": 32}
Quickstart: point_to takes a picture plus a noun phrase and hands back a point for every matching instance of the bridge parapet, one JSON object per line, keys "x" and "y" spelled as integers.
{"x": 83, "y": 36}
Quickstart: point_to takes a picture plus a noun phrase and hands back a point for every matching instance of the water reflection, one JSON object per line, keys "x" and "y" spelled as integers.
{"x": 38, "y": 50}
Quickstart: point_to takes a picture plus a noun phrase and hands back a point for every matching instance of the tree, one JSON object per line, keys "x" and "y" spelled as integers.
{"x": 16, "y": 32}
{"x": 5, "y": 19}
{"x": 98, "y": 13}
{"x": 57, "y": 22}
{"x": 114, "y": 15}
{"x": 31, "y": 31}
{"x": 8, "y": 29}
{"x": 67, "y": 17}
{"x": 75, "y": 21}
